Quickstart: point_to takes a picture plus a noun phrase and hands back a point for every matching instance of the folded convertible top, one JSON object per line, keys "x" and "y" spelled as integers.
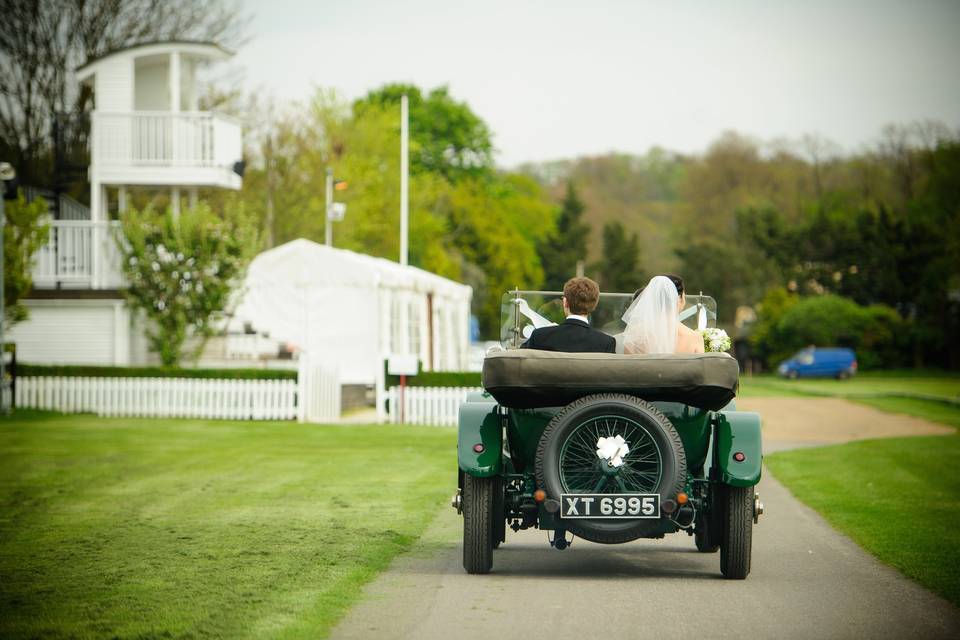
{"x": 528, "y": 378}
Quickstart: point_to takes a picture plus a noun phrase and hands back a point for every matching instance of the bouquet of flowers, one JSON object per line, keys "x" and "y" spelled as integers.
{"x": 715, "y": 340}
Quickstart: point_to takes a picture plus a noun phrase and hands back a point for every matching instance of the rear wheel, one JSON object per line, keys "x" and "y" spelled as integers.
{"x": 478, "y": 524}
{"x": 736, "y": 542}
{"x": 567, "y": 460}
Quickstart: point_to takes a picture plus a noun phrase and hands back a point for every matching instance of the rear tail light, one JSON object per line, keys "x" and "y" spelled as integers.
{"x": 539, "y": 495}
{"x": 854, "y": 365}
{"x": 739, "y": 456}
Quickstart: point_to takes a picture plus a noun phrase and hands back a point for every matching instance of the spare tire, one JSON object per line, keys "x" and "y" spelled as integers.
{"x": 567, "y": 461}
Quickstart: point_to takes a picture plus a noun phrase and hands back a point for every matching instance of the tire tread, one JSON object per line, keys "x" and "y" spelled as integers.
{"x": 477, "y": 525}
{"x": 735, "y": 549}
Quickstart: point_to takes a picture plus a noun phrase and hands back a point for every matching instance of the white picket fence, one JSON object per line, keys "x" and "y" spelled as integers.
{"x": 438, "y": 406}
{"x": 313, "y": 397}
{"x": 161, "y": 397}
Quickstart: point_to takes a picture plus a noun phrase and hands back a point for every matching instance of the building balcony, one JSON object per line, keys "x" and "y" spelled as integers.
{"x": 156, "y": 148}
{"x": 80, "y": 254}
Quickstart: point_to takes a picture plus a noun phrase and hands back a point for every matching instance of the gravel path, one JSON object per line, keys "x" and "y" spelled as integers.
{"x": 807, "y": 580}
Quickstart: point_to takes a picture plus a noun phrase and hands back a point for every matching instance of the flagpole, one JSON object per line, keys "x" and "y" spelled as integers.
{"x": 404, "y": 170}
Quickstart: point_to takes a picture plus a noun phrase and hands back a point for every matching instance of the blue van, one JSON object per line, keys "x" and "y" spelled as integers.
{"x": 813, "y": 362}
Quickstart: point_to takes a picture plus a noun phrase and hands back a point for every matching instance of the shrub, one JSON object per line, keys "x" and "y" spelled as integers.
{"x": 181, "y": 272}
{"x": 24, "y": 232}
{"x": 875, "y": 333}
{"x": 87, "y": 371}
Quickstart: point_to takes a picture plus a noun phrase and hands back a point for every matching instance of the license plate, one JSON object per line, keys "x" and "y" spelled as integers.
{"x": 609, "y": 505}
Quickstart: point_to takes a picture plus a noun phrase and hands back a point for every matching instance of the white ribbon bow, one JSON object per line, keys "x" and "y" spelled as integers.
{"x": 612, "y": 449}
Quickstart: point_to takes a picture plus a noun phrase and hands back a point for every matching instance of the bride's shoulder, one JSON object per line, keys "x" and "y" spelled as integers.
{"x": 690, "y": 341}
{"x": 686, "y": 331}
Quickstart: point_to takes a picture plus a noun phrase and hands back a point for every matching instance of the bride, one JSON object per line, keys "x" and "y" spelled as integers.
{"x": 653, "y": 322}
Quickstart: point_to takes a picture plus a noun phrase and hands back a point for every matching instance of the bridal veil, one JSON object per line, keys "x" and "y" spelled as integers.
{"x": 652, "y": 319}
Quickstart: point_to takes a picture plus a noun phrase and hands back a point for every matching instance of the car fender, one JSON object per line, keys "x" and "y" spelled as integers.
{"x": 739, "y": 432}
{"x": 480, "y": 423}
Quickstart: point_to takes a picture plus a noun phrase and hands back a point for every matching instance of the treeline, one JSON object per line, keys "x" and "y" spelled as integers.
{"x": 760, "y": 227}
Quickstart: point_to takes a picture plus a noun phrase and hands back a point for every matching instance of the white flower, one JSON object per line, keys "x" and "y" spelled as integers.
{"x": 156, "y": 267}
{"x": 612, "y": 449}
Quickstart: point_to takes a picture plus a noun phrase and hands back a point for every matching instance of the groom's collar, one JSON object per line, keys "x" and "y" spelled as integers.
{"x": 582, "y": 319}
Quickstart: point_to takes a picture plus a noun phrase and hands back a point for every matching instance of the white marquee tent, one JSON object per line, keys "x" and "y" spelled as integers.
{"x": 352, "y": 311}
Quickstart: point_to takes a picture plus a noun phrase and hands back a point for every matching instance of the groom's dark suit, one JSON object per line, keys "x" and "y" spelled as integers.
{"x": 573, "y": 335}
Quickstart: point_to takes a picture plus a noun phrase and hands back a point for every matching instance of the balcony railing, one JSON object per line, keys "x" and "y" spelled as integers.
{"x": 79, "y": 255}
{"x": 160, "y": 139}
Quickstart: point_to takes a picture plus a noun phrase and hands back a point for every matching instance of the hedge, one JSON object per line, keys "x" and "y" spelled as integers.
{"x": 439, "y": 379}
{"x": 86, "y": 371}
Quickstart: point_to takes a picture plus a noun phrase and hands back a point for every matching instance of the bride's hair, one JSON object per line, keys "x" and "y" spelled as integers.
{"x": 652, "y": 318}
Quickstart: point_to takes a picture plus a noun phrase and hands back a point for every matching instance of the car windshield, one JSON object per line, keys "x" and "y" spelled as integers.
{"x": 523, "y": 311}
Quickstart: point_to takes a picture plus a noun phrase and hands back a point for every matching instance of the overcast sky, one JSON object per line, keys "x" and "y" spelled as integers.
{"x": 559, "y": 79}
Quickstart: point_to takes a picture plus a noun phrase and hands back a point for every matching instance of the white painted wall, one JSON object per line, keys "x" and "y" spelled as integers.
{"x": 74, "y": 332}
{"x": 113, "y": 85}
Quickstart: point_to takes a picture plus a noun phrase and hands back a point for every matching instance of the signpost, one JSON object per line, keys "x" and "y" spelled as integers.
{"x": 403, "y": 366}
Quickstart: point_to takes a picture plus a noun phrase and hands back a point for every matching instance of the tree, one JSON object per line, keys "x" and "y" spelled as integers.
{"x": 43, "y": 40}
{"x": 481, "y": 228}
{"x": 446, "y": 136}
{"x": 181, "y": 272}
{"x": 562, "y": 250}
{"x": 619, "y": 268}
{"x": 23, "y": 233}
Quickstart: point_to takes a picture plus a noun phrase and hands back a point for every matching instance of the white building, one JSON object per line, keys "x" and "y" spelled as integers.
{"x": 351, "y": 311}
{"x": 146, "y": 133}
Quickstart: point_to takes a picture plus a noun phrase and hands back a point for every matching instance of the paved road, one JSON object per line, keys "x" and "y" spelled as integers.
{"x": 807, "y": 582}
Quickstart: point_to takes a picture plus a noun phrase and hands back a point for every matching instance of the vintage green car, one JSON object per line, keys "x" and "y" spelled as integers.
{"x": 607, "y": 447}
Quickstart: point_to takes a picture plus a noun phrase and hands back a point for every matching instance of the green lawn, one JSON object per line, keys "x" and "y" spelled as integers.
{"x": 185, "y": 528}
{"x": 922, "y": 383}
{"x": 897, "y": 498}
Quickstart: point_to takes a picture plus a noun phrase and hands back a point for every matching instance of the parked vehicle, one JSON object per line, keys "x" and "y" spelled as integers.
{"x": 607, "y": 447}
{"x": 815, "y": 362}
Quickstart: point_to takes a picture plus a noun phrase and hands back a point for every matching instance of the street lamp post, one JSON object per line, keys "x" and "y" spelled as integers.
{"x": 8, "y": 176}
{"x": 334, "y": 211}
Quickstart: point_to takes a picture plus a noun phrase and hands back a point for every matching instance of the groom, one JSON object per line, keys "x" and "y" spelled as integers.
{"x": 580, "y": 297}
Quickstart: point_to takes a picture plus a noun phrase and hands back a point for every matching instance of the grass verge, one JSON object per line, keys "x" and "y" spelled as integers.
{"x": 932, "y": 385}
{"x": 175, "y": 528}
{"x": 897, "y": 498}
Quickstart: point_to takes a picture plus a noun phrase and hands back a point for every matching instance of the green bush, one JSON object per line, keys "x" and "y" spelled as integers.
{"x": 876, "y": 333}
{"x": 181, "y": 272}
{"x": 438, "y": 379}
{"x": 152, "y": 372}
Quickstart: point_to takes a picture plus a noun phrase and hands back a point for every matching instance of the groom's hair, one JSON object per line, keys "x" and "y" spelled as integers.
{"x": 582, "y": 295}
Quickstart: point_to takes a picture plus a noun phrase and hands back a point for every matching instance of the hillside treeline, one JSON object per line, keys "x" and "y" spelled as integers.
{"x": 747, "y": 220}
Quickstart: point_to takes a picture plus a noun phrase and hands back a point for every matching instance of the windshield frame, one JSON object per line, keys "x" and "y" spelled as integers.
{"x": 515, "y": 326}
